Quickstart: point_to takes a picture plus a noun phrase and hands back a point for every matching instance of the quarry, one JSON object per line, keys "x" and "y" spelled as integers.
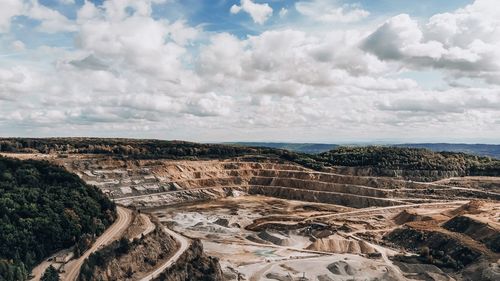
{"x": 265, "y": 219}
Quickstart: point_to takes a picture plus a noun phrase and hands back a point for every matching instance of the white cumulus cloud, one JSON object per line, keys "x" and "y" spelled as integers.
{"x": 260, "y": 13}
{"x": 330, "y": 11}
{"x": 466, "y": 42}
{"x": 8, "y": 10}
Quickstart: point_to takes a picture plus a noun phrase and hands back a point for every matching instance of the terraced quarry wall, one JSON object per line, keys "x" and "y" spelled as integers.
{"x": 416, "y": 175}
{"x": 149, "y": 183}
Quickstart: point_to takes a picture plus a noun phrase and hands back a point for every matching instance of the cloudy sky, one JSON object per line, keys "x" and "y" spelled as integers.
{"x": 252, "y": 70}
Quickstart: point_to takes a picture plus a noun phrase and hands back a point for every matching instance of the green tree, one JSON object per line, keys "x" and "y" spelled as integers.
{"x": 50, "y": 274}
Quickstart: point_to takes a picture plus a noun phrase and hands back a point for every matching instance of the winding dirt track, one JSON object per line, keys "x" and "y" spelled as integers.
{"x": 149, "y": 226}
{"x": 376, "y": 210}
{"x": 184, "y": 245}
{"x": 112, "y": 233}
{"x": 39, "y": 270}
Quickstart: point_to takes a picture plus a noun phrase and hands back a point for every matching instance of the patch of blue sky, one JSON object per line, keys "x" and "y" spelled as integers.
{"x": 25, "y": 30}
{"x": 420, "y": 8}
{"x": 427, "y": 79}
{"x": 68, "y": 10}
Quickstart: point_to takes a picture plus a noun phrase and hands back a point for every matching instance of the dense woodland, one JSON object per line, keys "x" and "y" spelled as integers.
{"x": 399, "y": 158}
{"x": 382, "y": 157}
{"x": 45, "y": 209}
{"x": 130, "y": 147}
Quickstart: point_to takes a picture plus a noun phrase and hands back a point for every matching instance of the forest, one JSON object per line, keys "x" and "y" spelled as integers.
{"x": 400, "y": 158}
{"x": 44, "y": 209}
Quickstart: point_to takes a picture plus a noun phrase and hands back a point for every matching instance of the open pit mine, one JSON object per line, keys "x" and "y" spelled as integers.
{"x": 257, "y": 218}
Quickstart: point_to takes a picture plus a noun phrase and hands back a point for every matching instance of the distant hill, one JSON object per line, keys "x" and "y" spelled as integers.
{"x": 417, "y": 163}
{"x": 311, "y": 148}
{"x": 490, "y": 150}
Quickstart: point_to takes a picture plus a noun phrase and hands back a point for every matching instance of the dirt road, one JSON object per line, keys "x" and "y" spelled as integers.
{"x": 112, "y": 233}
{"x": 38, "y": 271}
{"x": 184, "y": 244}
{"x": 376, "y": 210}
{"x": 149, "y": 226}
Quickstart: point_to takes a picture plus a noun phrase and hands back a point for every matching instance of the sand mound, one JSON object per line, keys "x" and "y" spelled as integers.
{"x": 340, "y": 268}
{"x": 341, "y": 245}
{"x": 473, "y": 207}
{"x": 408, "y": 216}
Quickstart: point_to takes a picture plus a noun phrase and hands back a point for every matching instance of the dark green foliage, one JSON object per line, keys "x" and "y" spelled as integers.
{"x": 145, "y": 149}
{"x": 310, "y": 148}
{"x": 490, "y": 150}
{"x": 50, "y": 274}
{"x": 398, "y": 158}
{"x": 12, "y": 271}
{"x": 104, "y": 256}
{"x": 44, "y": 209}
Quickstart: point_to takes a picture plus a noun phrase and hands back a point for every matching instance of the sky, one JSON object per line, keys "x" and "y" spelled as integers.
{"x": 330, "y": 71}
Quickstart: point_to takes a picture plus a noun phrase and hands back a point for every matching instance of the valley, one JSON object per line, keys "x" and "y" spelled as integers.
{"x": 268, "y": 219}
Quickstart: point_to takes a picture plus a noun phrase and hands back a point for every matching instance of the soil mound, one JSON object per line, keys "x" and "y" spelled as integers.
{"x": 447, "y": 249}
{"x": 341, "y": 268}
{"x": 338, "y": 244}
{"x": 423, "y": 271}
{"x": 408, "y": 216}
{"x": 256, "y": 239}
{"x": 475, "y": 229}
{"x": 275, "y": 238}
{"x": 473, "y": 207}
{"x": 222, "y": 222}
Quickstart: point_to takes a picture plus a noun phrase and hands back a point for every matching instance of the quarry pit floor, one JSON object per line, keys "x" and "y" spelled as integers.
{"x": 235, "y": 231}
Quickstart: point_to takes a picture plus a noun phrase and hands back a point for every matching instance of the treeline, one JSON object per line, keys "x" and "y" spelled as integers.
{"x": 400, "y": 158}
{"x": 43, "y": 209}
{"x": 382, "y": 157}
{"x": 145, "y": 149}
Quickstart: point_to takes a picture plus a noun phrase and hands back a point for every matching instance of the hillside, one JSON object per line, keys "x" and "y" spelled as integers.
{"x": 135, "y": 148}
{"x": 383, "y": 160}
{"x": 489, "y": 150}
{"x": 310, "y": 148}
{"x": 44, "y": 209}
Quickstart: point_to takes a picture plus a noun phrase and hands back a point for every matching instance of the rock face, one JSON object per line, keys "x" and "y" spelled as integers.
{"x": 416, "y": 175}
{"x": 475, "y": 229}
{"x": 132, "y": 262}
{"x": 128, "y": 261}
{"x": 193, "y": 265}
{"x": 343, "y": 199}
